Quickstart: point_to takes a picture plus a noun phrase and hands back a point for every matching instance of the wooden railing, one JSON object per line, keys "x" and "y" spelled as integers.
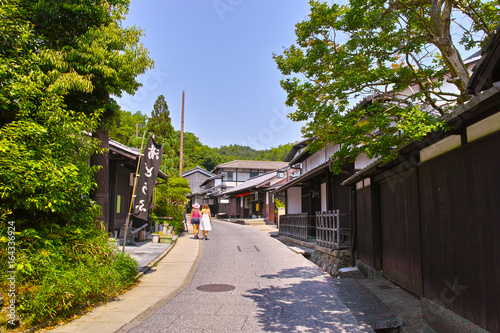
{"x": 324, "y": 228}
{"x": 298, "y": 226}
{"x": 328, "y": 229}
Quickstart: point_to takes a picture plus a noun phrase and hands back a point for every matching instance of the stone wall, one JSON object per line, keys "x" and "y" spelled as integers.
{"x": 329, "y": 260}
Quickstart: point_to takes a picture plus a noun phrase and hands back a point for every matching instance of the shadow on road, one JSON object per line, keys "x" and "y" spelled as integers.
{"x": 300, "y": 300}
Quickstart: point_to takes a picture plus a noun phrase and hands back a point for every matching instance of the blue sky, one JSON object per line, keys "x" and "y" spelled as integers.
{"x": 220, "y": 53}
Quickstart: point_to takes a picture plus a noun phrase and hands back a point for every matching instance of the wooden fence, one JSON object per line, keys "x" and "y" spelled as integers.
{"x": 323, "y": 228}
{"x": 328, "y": 229}
{"x": 298, "y": 226}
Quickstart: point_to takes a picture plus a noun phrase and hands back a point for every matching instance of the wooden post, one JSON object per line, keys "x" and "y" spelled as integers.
{"x": 182, "y": 136}
{"x": 127, "y": 220}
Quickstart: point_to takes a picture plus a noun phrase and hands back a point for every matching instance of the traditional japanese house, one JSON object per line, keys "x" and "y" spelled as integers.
{"x": 315, "y": 188}
{"x": 229, "y": 175}
{"x": 429, "y": 220}
{"x": 196, "y": 177}
{"x": 254, "y": 198}
{"x": 122, "y": 167}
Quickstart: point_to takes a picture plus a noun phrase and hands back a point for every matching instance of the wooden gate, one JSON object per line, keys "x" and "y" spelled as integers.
{"x": 399, "y": 216}
{"x": 328, "y": 229}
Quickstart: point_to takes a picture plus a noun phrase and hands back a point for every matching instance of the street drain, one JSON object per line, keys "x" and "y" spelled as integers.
{"x": 215, "y": 287}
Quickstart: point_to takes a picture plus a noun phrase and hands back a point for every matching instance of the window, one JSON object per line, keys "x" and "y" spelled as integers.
{"x": 280, "y": 174}
{"x": 253, "y": 174}
{"x": 230, "y": 176}
{"x": 118, "y": 204}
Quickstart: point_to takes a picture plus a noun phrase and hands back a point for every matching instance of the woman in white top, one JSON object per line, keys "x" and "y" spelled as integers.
{"x": 205, "y": 221}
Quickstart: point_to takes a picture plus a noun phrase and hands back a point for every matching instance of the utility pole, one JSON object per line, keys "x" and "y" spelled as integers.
{"x": 182, "y": 136}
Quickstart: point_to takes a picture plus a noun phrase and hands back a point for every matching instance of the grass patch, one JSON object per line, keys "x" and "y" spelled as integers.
{"x": 62, "y": 270}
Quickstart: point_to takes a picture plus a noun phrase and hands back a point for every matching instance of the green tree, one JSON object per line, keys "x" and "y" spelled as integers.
{"x": 276, "y": 153}
{"x": 125, "y": 126}
{"x": 45, "y": 179}
{"x": 237, "y": 151}
{"x": 89, "y": 56}
{"x": 198, "y": 154}
{"x": 44, "y": 172}
{"x": 171, "y": 199}
{"x": 87, "y": 53}
{"x": 378, "y": 49}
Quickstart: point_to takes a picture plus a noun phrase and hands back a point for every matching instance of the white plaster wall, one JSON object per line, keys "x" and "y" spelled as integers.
{"x": 362, "y": 161}
{"x": 294, "y": 200}
{"x": 331, "y": 149}
{"x": 316, "y": 159}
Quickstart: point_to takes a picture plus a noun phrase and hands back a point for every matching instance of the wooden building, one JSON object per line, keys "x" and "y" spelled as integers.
{"x": 430, "y": 220}
{"x": 229, "y": 175}
{"x": 254, "y": 198}
{"x": 196, "y": 177}
{"x": 122, "y": 167}
{"x": 315, "y": 188}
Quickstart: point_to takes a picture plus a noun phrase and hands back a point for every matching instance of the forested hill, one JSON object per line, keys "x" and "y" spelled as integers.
{"x": 247, "y": 153}
{"x": 128, "y": 129}
{"x": 195, "y": 153}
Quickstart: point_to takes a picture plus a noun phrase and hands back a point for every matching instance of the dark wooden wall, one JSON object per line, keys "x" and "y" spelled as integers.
{"x": 460, "y": 226}
{"x": 122, "y": 188}
{"x": 400, "y": 232}
{"x": 364, "y": 242}
{"x": 341, "y": 198}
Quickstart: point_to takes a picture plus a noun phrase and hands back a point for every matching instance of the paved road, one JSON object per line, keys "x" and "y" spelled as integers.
{"x": 275, "y": 290}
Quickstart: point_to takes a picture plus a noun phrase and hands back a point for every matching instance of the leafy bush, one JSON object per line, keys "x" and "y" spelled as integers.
{"x": 61, "y": 270}
{"x": 170, "y": 201}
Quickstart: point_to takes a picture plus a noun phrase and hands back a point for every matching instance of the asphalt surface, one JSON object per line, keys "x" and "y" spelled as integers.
{"x": 269, "y": 289}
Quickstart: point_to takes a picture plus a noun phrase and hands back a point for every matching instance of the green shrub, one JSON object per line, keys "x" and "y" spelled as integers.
{"x": 61, "y": 270}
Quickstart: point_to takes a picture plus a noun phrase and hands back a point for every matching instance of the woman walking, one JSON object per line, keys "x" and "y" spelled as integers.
{"x": 195, "y": 219}
{"x": 205, "y": 221}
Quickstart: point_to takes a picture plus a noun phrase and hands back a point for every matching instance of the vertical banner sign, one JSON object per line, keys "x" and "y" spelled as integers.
{"x": 150, "y": 166}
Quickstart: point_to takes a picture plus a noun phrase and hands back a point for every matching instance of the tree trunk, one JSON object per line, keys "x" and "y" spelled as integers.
{"x": 439, "y": 35}
{"x": 101, "y": 194}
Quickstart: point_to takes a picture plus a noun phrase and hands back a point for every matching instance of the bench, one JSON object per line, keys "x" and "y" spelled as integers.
{"x": 135, "y": 231}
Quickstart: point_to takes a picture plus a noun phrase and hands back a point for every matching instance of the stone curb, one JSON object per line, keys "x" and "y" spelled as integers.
{"x": 158, "y": 258}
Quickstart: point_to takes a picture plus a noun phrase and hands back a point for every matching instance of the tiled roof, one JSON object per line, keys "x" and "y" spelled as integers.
{"x": 250, "y": 164}
{"x": 197, "y": 169}
{"x": 312, "y": 172}
{"x": 296, "y": 147}
{"x": 120, "y": 148}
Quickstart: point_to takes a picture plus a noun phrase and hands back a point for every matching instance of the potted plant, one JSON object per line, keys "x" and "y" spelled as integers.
{"x": 155, "y": 237}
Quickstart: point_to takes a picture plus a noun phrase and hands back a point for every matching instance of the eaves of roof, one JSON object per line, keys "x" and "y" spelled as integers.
{"x": 476, "y": 81}
{"x": 121, "y": 149}
{"x": 454, "y": 119}
{"x": 250, "y": 164}
{"x": 208, "y": 190}
{"x": 295, "y": 148}
{"x": 220, "y": 175}
{"x": 308, "y": 175}
{"x": 251, "y": 183}
{"x": 197, "y": 169}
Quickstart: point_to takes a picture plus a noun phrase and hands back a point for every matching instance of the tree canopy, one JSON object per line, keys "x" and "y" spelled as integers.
{"x": 88, "y": 55}
{"x": 44, "y": 172}
{"x": 397, "y": 59}
{"x": 60, "y": 63}
{"x": 127, "y": 128}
